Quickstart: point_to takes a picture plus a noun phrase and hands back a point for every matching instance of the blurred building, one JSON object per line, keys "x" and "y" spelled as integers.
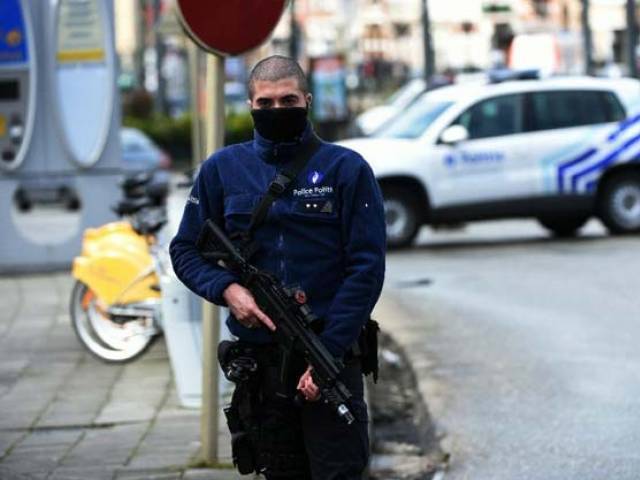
{"x": 151, "y": 51}
{"x": 480, "y": 34}
{"x": 390, "y": 30}
{"x": 562, "y": 19}
{"x": 385, "y": 36}
{"x": 609, "y": 25}
{"x": 322, "y": 27}
{"x": 467, "y": 34}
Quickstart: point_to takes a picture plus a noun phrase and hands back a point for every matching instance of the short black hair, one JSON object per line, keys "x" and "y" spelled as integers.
{"x": 277, "y": 67}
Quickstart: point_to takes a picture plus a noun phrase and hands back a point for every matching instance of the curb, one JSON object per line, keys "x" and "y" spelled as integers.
{"x": 399, "y": 324}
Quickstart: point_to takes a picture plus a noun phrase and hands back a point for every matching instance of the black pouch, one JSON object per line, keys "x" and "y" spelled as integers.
{"x": 368, "y": 343}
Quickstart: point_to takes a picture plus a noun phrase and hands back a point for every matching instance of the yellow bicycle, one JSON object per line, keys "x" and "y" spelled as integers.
{"x": 115, "y": 302}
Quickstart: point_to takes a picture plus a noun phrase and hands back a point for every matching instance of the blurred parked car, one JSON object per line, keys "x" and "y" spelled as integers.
{"x": 143, "y": 159}
{"x": 139, "y": 153}
{"x": 370, "y": 120}
{"x": 560, "y": 150}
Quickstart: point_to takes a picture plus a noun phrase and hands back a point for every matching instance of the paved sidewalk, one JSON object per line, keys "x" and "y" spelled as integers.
{"x": 66, "y": 415}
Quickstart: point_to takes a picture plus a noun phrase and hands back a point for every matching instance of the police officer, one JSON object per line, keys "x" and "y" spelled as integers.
{"x": 326, "y": 233}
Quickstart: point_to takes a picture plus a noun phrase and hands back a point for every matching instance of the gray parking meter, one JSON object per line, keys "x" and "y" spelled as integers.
{"x": 59, "y": 128}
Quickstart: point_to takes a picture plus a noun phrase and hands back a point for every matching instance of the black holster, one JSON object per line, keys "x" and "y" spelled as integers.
{"x": 239, "y": 364}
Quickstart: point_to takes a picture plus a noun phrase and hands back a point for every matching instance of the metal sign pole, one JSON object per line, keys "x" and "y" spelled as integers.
{"x": 213, "y": 26}
{"x": 214, "y": 134}
{"x": 632, "y": 38}
{"x": 197, "y": 150}
{"x": 587, "y": 38}
{"x": 427, "y": 41}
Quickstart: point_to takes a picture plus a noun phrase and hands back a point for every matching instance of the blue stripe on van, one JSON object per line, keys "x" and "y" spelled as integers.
{"x": 604, "y": 162}
{"x": 564, "y": 166}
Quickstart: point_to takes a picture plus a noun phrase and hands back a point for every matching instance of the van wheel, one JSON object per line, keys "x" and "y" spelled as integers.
{"x": 401, "y": 217}
{"x": 619, "y": 204}
{"x": 563, "y": 226}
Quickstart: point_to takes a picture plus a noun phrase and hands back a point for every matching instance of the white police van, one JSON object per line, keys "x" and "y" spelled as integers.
{"x": 560, "y": 150}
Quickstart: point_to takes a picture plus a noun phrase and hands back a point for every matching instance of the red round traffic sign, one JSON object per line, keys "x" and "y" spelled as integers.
{"x": 229, "y": 27}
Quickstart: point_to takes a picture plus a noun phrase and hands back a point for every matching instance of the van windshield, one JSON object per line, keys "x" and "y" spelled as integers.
{"x": 414, "y": 121}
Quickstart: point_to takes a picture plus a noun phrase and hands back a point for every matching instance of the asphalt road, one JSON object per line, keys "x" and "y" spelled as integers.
{"x": 532, "y": 349}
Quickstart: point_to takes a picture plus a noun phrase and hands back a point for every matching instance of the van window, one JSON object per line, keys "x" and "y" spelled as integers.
{"x": 613, "y": 107}
{"x": 566, "y": 109}
{"x": 493, "y": 117}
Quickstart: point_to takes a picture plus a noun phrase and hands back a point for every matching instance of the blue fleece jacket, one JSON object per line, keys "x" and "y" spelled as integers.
{"x": 326, "y": 233}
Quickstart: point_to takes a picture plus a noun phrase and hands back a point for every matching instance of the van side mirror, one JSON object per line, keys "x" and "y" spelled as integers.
{"x": 454, "y": 134}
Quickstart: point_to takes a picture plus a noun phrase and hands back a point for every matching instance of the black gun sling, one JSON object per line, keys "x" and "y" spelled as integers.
{"x": 281, "y": 182}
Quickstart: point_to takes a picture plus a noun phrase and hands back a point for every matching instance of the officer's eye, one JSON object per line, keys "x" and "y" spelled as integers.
{"x": 264, "y": 103}
{"x": 290, "y": 100}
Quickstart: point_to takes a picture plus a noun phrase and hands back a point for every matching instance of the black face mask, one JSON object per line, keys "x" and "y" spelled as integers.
{"x": 280, "y": 124}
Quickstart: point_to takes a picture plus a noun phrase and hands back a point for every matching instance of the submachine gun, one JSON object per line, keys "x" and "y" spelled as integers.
{"x": 288, "y": 309}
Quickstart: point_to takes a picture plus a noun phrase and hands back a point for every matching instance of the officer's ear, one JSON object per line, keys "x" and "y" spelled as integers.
{"x": 249, "y": 103}
{"x": 308, "y": 98}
